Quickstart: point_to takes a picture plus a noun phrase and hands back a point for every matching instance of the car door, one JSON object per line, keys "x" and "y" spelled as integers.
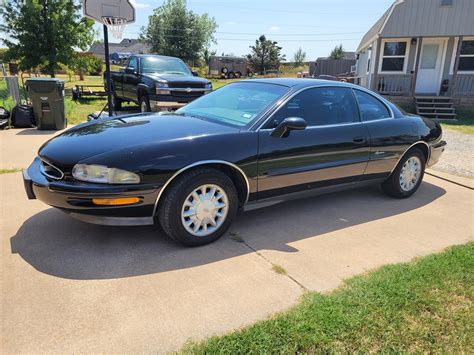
{"x": 130, "y": 79}
{"x": 333, "y": 149}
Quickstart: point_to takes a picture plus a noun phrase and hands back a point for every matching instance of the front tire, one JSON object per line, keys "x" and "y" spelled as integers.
{"x": 407, "y": 176}
{"x": 144, "y": 103}
{"x": 199, "y": 207}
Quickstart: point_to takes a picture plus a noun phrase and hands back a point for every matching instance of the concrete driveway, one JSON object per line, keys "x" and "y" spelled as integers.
{"x": 67, "y": 286}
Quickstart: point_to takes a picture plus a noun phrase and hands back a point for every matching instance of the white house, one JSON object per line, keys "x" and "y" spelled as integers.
{"x": 422, "y": 51}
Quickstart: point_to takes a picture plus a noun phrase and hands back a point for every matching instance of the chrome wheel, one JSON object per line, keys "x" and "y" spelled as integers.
{"x": 143, "y": 106}
{"x": 205, "y": 210}
{"x": 410, "y": 174}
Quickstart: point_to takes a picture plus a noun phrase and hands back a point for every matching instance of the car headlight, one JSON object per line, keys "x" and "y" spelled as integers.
{"x": 103, "y": 174}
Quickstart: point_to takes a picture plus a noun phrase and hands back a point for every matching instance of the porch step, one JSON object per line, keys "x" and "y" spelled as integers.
{"x": 438, "y": 107}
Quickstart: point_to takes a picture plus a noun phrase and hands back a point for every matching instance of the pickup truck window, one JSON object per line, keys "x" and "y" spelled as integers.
{"x": 236, "y": 105}
{"x": 162, "y": 65}
{"x": 133, "y": 63}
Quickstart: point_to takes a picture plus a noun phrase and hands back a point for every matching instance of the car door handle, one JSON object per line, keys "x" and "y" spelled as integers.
{"x": 360, "y": 140}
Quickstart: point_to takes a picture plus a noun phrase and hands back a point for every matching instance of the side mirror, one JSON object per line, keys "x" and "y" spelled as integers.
{"x": 289, "y": 124}
{"x": 195, "y": 73}
{"x": 130, "y": 70}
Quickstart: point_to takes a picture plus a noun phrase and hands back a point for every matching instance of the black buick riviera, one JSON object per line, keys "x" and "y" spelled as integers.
{"x": 249, "y": 144}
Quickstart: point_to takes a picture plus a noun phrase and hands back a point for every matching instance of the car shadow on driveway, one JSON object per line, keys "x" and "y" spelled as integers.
{"x": 56, "y": 244}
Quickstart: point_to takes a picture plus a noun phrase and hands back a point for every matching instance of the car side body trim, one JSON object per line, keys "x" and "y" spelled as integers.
{"x": 199, "y": 163}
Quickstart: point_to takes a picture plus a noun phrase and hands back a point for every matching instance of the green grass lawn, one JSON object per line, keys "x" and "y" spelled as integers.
{"x": 464, "y": 123}
{"x": 422, "y": 306}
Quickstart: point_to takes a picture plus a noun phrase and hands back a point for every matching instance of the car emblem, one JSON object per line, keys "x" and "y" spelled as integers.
{"x": 188, "y": 90}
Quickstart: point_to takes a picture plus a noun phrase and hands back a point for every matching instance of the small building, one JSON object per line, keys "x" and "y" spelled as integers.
{"x": 127, "y": 45}
{"x": 333, "y": 67}
{"x": 421, "y": 52}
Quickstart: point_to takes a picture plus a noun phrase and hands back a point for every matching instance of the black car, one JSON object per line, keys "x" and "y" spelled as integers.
{"x": 249, "y": 144}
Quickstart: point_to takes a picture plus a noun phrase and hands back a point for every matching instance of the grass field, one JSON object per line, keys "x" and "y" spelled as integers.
{"x": 420, "y": 307}
{"x": 464, "y": 123}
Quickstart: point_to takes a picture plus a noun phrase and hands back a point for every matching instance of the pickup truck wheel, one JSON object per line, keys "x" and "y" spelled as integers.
{"x": 231, "y": 75}
{"x": 116, "y": 103}
{"x": 238, "y": 75}
{"x": 144, "y": 104}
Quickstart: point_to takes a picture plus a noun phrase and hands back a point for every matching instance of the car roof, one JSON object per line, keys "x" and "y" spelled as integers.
{"x": 299, "y": 83}
{"x": 153, "y": 56}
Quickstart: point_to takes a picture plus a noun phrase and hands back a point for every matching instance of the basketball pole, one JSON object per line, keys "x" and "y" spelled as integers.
{"x": 107, "y": 71}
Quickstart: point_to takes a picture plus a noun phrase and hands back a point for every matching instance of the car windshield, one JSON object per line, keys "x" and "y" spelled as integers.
{"x": 237, "y": 104}
{"x": 164, "y": 66}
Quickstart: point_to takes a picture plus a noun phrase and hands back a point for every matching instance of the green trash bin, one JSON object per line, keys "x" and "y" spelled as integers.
{"x": 47, "y": 98}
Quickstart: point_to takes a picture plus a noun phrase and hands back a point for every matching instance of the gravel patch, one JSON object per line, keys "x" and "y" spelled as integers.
{"x": 458, "y": 158}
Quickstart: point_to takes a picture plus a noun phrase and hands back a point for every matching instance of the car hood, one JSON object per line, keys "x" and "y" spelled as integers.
{"x": 173, "y": 78}
{"x": 125, "y": 133}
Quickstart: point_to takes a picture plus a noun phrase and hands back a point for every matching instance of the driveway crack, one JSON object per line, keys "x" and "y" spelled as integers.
{"x": 273, "y": 265}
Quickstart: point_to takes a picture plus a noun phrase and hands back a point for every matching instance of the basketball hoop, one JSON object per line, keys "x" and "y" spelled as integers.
{"x": 116, "y": 25}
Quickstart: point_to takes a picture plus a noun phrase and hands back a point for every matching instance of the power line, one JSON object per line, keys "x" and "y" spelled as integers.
{"x": 251, "y": 40}
{"x": 268, "y": 34}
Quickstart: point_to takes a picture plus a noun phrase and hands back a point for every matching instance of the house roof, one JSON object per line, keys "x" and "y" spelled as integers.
{"x": 375, "y": 30}
{"x": 127, "y": 45}
{"x": 422, "y": 18}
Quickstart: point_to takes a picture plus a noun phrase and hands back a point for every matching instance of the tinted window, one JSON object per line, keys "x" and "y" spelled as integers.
{"x": 164, "y": 65}
{"x": 371, "y": 108}
{"x": 320, "y": 106}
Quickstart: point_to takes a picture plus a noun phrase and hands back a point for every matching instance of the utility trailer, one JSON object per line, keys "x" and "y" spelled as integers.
{"x": 226, "y": 67}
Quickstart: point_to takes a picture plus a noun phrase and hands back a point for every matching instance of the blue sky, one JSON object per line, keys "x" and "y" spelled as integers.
{"x": 315, "y": 25}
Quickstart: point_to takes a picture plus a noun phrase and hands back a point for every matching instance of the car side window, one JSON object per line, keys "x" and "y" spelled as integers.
{"x": 371, "y": 109}
{"x": 320, "y": 107}
{"x": 133, "y": 63}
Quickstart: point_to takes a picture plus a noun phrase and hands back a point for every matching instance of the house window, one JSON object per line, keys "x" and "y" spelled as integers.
{"x": 466, "y": 57}
{"x": 394, "y": 56}
{"x": 446, "y": 2}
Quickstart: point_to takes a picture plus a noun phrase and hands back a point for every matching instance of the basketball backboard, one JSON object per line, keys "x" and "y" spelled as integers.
{"x": 97, "y": 10}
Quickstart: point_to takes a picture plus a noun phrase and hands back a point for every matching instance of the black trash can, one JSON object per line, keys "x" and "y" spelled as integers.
{"x": 47, "y": 97}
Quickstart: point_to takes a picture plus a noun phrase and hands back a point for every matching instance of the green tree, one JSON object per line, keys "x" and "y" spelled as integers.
{"x": 176, "y": 31}
{"x": 266, "y": 55}
{"x": 86, "y": 63}
{"x": 207, "y": 54}
{"x": 44, "y": 32}
{"x": 337, "y": 53}
{"x": 299, "y": 58}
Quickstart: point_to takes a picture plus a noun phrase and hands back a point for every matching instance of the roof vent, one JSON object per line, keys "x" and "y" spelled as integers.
{"x": 447, "y": 2}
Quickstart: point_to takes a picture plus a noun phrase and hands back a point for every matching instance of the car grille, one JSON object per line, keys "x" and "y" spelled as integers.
{"x": 187, "y": 94}
{"x": 187, "y": 85}
{"x": 51, "y": 171}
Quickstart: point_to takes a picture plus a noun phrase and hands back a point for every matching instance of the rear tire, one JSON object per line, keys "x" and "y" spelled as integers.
{"x": 116, "y": 103}
{"x": 407, "y": 176}
{"x": 199, "y": 207}
{"x": 238, "y": 75}
{"x": 231, "y": 75}
{"x": 144, "y": 103}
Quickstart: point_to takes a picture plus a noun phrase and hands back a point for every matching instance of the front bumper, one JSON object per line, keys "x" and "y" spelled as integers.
{"x": 75, "y": 198}
{"x": 435, "y": 152}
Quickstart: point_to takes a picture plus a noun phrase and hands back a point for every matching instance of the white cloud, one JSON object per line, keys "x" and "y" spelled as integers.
{"x": 139, "y": 5}
{"x": 274, "y": 29}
